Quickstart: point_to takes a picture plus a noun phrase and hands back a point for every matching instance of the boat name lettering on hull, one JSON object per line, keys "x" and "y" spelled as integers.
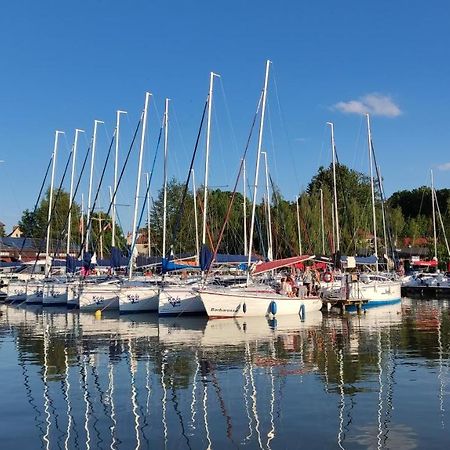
{"x": 225, "y": 310}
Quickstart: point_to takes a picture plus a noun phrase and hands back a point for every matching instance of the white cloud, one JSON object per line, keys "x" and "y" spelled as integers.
{"x": 445, "y": 166}
{"x": 374, "y": 104}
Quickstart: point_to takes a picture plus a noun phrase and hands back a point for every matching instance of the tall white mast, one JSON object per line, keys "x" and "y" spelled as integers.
{"x": 74, "y": 156}
{"x": 369, "y": 139}
{"x": 91, "y": 176}
{"x": 147, "y": 178}
{"x": 245, "y": 204}
{"x": 269, "y": 217}
{"x": 116, "y": 166}
{"x": 322, "y": 222}
{"x": 166, "y": 148}
{"x": 258, "y": 157}
{"x": 50, "y": 204}
{"x": 336, "y": 215}
{"x": 300, "y": 249}
{"x": 138, "y": 182}
{"x": 208, "y": 141}
{"x": 434, "y": 214}
{"x": 194, "y": 191}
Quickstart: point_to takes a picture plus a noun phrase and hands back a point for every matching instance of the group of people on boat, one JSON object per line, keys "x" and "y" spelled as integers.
{"x": 306, "y": 283}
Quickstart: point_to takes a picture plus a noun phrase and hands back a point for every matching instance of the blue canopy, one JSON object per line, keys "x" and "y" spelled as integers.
{"x": 206, "y": 257}
{"x": 168, "y": 265}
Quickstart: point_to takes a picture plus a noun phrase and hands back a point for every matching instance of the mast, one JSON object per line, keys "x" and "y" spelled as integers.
{"x": 197, "y": 248}
{"x": 208, "y": 140}
{"x": 298, "y": 229}
{"x": 269, "y": 218}
{"x": 82, "y": 223}
{"x": 434, "y": 214}
{"x": 336, "y": 215}
{"x": 245, "y": 205}
{"x": 258, "y": 157}
{"x": 333, "y": 236}
{"x": 116, "y": 165}
{"x": 138, "y": 182}
{"x": 50, "y": 204}
{"x": 74, "y": 156}
{"x": 148, "y": 214}
{"x": 383, "y": 213}
{"x": 91, "y": 176}
{"x": 322, "y": 225}
{"x": 369, "y": 140}
{"x": 166, "y": 146}
{"x": 442, "y": 223}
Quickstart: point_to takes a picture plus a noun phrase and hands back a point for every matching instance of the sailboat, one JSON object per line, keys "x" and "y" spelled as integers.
{"x": 429, "y": 284}
{"x": 370, "y": 288}
{"x": 184, "y": 298}
{"x": 254, "y": 299}
{"x": 136, "y": 295}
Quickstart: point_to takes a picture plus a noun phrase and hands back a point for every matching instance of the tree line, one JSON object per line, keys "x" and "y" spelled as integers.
{"x": 407, "y": 214}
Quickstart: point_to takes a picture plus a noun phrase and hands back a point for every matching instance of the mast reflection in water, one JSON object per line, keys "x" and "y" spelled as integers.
{"x": 378, "y": 380}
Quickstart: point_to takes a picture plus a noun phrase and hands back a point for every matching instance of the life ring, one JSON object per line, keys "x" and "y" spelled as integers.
{"x": 328, "y": 277}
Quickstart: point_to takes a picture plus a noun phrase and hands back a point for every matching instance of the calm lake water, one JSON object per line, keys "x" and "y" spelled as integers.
{"x": 379, "y": 380}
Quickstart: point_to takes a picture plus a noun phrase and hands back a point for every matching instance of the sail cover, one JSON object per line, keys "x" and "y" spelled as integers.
{"x": 206, "y": 257}
{"x": 279, "y": 263}
{"x": 169, "y": 265}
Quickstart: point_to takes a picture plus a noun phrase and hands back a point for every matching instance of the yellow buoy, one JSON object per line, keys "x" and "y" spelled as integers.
{"x": 98, "y": 314}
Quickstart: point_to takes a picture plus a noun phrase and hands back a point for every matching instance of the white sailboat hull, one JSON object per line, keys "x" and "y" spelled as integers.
{"x": 35, "y": 292}
{"x": 73, "y": 295}
{"x": 182, "y": 300}
{"x": 138, "y": 299}
{"x": 55, "y": 294}
{"x": 220, "y": 304}
{"x": 103, "y": 297}
{"x": 16, "y": 291}
{"x": 372, "y": 294}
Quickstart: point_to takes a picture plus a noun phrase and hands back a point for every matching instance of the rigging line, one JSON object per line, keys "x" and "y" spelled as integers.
{"x": 221, "y": 146}
{"x": 281, "y": 215}
{"x": 383, "y": 205}
{"x": 357, "y": 140}
{"x": 58, "y": 193}
{"x": 351, "y": 219}
{"x": 272, "y": 140}
{"x": 177, "y": 226}
{"x": 322, "y": 145}
{"x": 230, "y": 122}
{"x": 94, "y": 203}
{"x": 283, "y": 126}
{"x": 37, "y": 204}
{"x": 144, "y": 204}
{"x": 208, "y": 228}
{"x": 230, "y": 204}
{"x": 72, "y": 203}
{"x": 118, "y": 183}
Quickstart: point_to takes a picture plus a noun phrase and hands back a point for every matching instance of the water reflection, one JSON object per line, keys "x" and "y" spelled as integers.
{"x": 377, "y": 380}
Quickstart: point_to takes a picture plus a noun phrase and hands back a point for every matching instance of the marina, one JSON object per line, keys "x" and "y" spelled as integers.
{"x": 224, "y": 225}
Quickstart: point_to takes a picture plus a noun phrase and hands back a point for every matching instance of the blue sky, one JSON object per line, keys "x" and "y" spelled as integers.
{"x": 65, "y": 64}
